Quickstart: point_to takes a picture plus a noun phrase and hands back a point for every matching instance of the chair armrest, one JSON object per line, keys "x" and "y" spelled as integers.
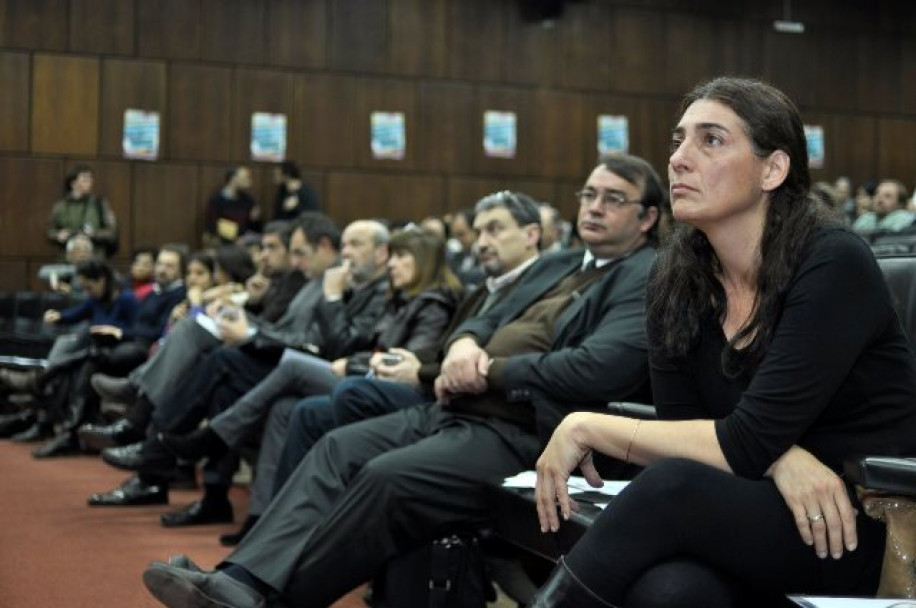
{"x": 645, "y": 411}
{"x": 893, "y": 475}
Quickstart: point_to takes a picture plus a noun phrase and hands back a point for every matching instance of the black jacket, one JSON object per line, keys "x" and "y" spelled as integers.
{"x": 599, "y": 350}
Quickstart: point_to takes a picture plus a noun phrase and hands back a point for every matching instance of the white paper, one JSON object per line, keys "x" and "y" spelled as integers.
{"x": 268, "y": 137}
{"x": 849, "y": 602}
{"x": 527, "y": 479}
{"x": 141, "y": 135}
{"x": 499, "y": 134}
{"x": 389, "y": 137}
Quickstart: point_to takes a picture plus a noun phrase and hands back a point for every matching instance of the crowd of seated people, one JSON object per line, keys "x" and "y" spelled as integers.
{"x": 387, "y": 377}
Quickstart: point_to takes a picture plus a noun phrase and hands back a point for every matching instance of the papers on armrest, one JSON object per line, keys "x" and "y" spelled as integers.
{"x": 527, "y": 479}
{"x": 848, "y": 602}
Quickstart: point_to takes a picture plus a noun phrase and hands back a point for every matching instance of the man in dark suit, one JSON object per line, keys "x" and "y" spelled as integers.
{"x": 570, "y": 337}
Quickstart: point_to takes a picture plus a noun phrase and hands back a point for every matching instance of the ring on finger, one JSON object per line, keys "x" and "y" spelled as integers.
{"x": 816, "y": 518}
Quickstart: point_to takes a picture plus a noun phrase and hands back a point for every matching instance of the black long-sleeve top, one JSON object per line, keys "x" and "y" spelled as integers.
{"x": 838, "y": 378}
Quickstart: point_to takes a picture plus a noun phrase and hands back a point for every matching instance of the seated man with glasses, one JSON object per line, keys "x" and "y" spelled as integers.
{"x": 570, "y": 336}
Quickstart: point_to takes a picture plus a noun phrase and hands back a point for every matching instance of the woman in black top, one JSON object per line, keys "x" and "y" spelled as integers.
{"x": 775, "y": 353}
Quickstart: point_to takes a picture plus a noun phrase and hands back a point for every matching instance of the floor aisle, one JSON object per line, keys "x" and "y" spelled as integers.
{"x": 56, "y": 552}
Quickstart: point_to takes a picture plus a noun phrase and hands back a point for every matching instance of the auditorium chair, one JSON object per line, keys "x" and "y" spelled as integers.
{"x": 887, "y": 484}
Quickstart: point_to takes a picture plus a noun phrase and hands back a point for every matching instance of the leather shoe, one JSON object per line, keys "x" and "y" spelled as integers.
{"x": 136, "y": 457}
{"x": 37, "y": 432}
{"x": 11, "y": 424}
{"x": 176, "y": 587}
{"x": 131, "y": 493}
{"x": 111, "y": 388}
{"x": 199, "y": 513}
{"x": 184, "y": 562}
{"x": 65, "y": 444}
{"x": 99, "y": 437}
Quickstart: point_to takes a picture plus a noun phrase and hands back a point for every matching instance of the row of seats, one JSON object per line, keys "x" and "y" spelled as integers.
{"x": 23, "y": 332}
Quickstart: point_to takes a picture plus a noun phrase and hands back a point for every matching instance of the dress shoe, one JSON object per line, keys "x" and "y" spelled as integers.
{"x": 199, "y": 513}
{"x": 39, "y": 431}
{"x": 99, "y": 437}
{"x": 199, "y": 444}
{"x": 131, "y": 493}
{"x": 111, "y": 388}
{"x": 233, "y": 539}
{"x": 137, "y": 457}
{"x": 178, "y": 588}
{"x": 65, "y": 444}
{"x": 11, "y": 424}
{"x": 184, "y": 562}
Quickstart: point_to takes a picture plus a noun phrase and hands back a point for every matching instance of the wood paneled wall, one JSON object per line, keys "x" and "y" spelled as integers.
{"x": 69, "y": 69}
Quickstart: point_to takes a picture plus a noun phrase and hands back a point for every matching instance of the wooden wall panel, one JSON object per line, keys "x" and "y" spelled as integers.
{"x": 297, "y": 33}
{"x": 200, "y": 111}
{"x": 879, "y": 62}
{"x": 477, "y": 39}
{"x": 169, "y": 28}
{"x": 586, "y": 52}
{"x": 464, "y": 192}
{"x": 15, "y": 77}
{"x": 386, "y": 96}
{"x": 23, "y": 218}
{"x": 689, "y": 51}
{"x": 263, "y": 91}
{"x": 113, "y": 181}
{"x": 896, "y": 153}
{"x": 358, "y": 35}
{"x": 444, "y": 137}
{"x": 737, "y": 48}
{"x": 14, "y": 274}
{"x": 327, "y": 107}
{"x": 789, "y": 64}
{"x": 351, "y": 196}
{"x": 524, "y": 42}
{"x": 652, "y": 139}
{"x": 558, "y": 128}
{"x": 418, "y": 37}
{"x": 263, "y": 188}
{"x": 638, "y": 51}
{"x": 165, "y": 201}
{"x": 65, "y": 105}
{"x": 235, "y": 31}
{"x": 127, "y": 84}
{"x": 414, "y": 197}
{"x": 907, "y": 67}
{"x": 102, "y": 26}
{"x": 34, "y": 24}
{"x": 834, "y": 63}
{"x": 504, "y": 100}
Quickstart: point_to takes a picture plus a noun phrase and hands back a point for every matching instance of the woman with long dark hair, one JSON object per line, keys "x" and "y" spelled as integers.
{"x": 775, "y": 354}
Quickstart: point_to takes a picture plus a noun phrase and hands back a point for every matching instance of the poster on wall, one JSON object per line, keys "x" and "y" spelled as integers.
{"x": 814, "y": 134}
{"x": 268, "y": 137}
{"x": 141, "y": 134}
{"x": 389, "y": 137}
{"x": 499, "y": 134}
{"x": 613, "y": 134}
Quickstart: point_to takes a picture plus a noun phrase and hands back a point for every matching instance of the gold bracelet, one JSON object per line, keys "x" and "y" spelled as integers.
{"x": 632, "y": 437}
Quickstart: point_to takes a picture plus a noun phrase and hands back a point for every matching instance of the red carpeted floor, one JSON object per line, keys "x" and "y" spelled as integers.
{"x": 56, "y": 552}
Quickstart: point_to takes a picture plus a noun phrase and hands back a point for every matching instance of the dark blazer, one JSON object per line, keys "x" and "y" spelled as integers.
{"x": 599, "y": 350}
{"x": 347, "y": 325}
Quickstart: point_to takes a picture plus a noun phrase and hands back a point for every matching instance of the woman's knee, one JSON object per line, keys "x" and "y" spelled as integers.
{"x": 681, "y": 584}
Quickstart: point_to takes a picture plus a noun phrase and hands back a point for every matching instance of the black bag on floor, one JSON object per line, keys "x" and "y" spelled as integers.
{"x": 447, "y": 573}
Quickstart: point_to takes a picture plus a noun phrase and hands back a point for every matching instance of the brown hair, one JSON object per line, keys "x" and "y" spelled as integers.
{"x": 428, "y": 251}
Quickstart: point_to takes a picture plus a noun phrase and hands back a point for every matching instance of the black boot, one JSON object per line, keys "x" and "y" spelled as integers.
{"x": 564, "y": 589}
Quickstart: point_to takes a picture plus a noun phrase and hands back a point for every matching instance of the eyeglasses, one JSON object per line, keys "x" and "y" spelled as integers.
{"x": 611, "y": 200}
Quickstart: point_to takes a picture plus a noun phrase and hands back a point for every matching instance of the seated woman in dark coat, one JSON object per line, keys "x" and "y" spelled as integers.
{"x": 775, "y": 354}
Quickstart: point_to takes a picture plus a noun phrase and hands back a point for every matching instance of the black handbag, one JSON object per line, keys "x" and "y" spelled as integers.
{"x": 448, "y": 573}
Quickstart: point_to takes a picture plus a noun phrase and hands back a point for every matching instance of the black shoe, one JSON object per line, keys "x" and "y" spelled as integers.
{"x": 37, "y": 432}
{"x": 139, "y": 456}
{"x": 99, "y": 437}
{"x": 65, "y": 444}
{"x": 231, "y": 540}
{"x": 11, "y": 424}
{"x": 202, "y": 443}
{"x": 132, "y": 492}
{"x": 199, "y": 513}
{"x": 183, "y": 477}
{"x": 111, "y": 388}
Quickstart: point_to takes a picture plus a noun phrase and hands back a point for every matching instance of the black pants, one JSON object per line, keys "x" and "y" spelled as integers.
{"x": 684, "y": 534}
{"x": 373, "y": 489}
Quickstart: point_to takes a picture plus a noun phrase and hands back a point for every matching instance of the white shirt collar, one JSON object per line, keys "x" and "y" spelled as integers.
{"x": 494, "y": 284}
